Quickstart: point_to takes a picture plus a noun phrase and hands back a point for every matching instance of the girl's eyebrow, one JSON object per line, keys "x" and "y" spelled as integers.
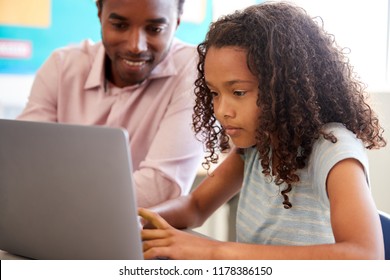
{"x": 232, "y": 82}
{"x": 209, "y": 84}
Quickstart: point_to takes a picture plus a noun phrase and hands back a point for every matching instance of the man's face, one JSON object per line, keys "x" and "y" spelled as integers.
{"x": 137, "y": 36}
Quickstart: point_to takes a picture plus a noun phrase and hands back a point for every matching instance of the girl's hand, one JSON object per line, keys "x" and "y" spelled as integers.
{"x": 169, "y": 243}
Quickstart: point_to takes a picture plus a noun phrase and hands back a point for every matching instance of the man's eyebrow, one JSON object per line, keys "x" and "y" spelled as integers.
{"x": 158, "y": 20}
{"x": 154, "y": 20}
{"x": 116, "y": 16}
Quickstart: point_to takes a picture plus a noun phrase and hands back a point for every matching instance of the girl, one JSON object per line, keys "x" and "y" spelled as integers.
{"x": 273, "y": 82}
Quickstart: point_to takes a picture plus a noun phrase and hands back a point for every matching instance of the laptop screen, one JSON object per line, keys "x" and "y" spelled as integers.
{"x": 66, "y": 192}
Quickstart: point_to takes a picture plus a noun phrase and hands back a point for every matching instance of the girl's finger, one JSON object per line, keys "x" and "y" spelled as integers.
{"x": 155, "y": 219}
{"x": 148, "y": 234}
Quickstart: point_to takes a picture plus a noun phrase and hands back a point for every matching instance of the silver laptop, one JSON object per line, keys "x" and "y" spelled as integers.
{"x": 66, "y": 192}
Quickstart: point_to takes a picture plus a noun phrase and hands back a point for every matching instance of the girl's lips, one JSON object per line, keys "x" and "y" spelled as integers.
{"x": 232, "y": 131}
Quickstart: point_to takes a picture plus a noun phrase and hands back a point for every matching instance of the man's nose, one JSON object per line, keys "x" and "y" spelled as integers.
{"x": 137, "y": 41}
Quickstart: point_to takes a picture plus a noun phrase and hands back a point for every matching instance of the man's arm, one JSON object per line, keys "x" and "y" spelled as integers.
{"x": 42, "y": 101}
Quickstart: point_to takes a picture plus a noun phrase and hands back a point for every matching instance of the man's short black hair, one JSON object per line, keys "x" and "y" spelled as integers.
{"x": 180, "y": 4}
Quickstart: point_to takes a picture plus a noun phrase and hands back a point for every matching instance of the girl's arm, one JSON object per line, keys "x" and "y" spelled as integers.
{"x": 354, "y": 218}
{"x": 217, "y": 188}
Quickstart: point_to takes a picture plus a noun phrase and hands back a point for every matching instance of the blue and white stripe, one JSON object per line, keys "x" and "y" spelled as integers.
{"x": 261, "y": 217}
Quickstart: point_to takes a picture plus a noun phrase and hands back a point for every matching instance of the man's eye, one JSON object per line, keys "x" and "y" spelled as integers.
{"x": 239, "y": 92}
{"x": 119, "y": 25}
{"x": 155, "y": 29}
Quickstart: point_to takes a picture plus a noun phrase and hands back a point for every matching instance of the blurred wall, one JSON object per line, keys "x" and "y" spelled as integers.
{"x": 380, "y": 159}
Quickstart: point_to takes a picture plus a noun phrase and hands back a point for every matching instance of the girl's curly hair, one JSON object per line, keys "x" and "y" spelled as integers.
{"x": 305, "y": 81}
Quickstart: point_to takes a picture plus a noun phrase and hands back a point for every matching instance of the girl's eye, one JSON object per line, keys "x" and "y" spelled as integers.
{"x": 239, "y": 92}
{"x": 213, "y": 94}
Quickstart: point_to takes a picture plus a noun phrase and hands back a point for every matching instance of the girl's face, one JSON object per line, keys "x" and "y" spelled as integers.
{"x": 235, "y": 90}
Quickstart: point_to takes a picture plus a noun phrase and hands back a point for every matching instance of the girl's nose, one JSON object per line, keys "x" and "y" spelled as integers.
{"x": 223, "y": 109}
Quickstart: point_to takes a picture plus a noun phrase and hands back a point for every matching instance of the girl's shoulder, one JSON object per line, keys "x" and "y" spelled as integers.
{"x": 335, "y": 127}
{"x": 326, "y": 154}
{"x": 342, "y": 134}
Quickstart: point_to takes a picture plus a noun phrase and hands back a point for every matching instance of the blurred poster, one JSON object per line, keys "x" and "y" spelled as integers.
{"x": 31, "y": 29}
{"x": 31, "y": 13}
{"x": 194, "y": 11}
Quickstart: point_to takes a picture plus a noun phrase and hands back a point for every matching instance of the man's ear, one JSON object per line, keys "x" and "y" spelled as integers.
{"x": 178, "y": 22}
{"x": 99, "y": 9}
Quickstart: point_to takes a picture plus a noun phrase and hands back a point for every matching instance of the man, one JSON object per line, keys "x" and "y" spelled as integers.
{"x": 139, "y": 78}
